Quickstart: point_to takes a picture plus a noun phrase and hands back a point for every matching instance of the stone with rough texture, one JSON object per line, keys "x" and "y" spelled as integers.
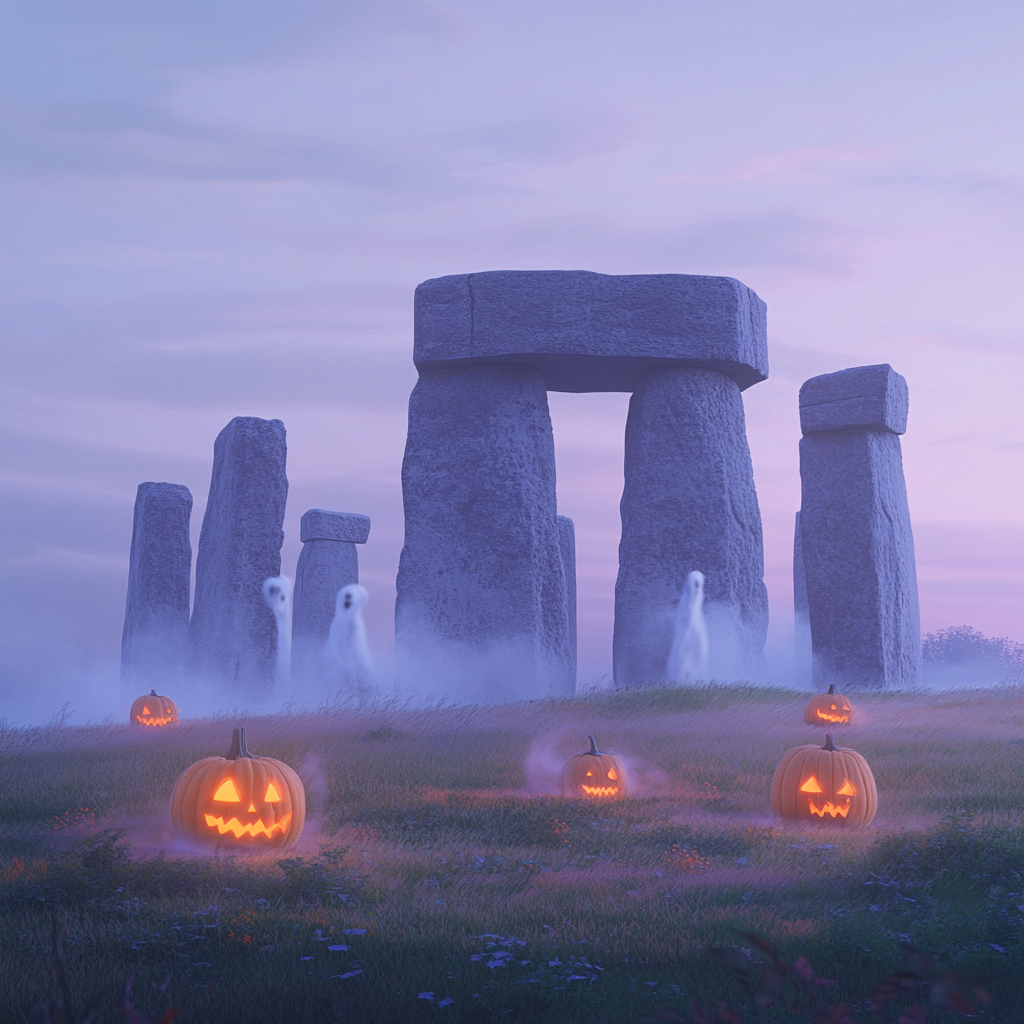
{"x": 857, "y": 550}
{"x": 592, "y": 332}
{"x": 233, "y": 636}
{"x": 320, "y": 524}
{"x": 327, "y": 562}
{"x": 481, "y": 606}
{"x": 688, "y": 504}
{"x": 860, "y": 398}
{"x": 567, "y": 545}
{"x": 155, "y": 636}
{"x": 802, "y": 674}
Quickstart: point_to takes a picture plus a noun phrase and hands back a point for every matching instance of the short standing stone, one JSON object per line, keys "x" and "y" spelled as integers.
{"x": 328, "y": 561}
{"x": 855, "y": 534}
{"x": 155, "y": 637}
{"x": 481, "y": 608}
{"x": 688, "y": 504}
{"x": 233, "y": 635}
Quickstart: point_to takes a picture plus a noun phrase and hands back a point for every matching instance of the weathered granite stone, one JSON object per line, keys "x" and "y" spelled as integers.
{"x": 155, "y": 636}
{"x": 567, "y": 546}
{"x": 592, "y": 332}
{"x": 327, "y": 562}
{"x": 233, "y": 636}
{"x": 802, "y": 674}
{"x": 856, "y": 540}
{"x": 688, "y": 504}
{"x": 481, "y": 607}
{"x": 320, "y": 524}
{"x": 860, "y": 398}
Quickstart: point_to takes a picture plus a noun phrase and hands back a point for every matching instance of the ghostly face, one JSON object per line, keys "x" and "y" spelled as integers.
{"x": 277, "y": 592}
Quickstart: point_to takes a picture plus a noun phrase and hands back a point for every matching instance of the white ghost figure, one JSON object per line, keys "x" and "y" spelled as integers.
{"x": 688, "y": 658}
{"x": 347, "y": 651}
{"x": 277, "y": 592}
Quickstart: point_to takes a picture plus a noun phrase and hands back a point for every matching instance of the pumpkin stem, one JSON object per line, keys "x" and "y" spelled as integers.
{"x": 829, "y": 745}
{"x": 831, "y": 687}
{"x": 593, "y": 746}
{"x": 238, "y": 747}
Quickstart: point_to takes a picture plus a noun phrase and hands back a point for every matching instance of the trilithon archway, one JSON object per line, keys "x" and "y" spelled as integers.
{"x": 486, "y": 606}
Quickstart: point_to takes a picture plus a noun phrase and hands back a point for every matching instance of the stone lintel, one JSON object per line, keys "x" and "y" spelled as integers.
{"x": 860, "y": 398}
{"x": 320, "y": 524}
{"x": 592, "y": 332}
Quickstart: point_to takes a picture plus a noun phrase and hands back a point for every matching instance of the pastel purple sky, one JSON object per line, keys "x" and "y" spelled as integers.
{"x": 223, "y": 209}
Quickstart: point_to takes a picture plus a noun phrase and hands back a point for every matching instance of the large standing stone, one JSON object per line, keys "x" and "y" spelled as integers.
{"x": 328, "y": 561}
{"x": 802, "y": 673}
{"x": 155, "y": 636}
{"x": 478, "y": 573}
{"x": 855, "y": 535}
{"x": 688, "y": 503}
{"x": 567, "y": 545}
{"x": 233, "y": 636}
{"x": 481, "y": 608}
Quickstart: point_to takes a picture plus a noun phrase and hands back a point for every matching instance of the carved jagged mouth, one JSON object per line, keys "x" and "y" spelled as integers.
{"x": 830, "y": 808}
{"x": 253, "y": 828}
{"x": 600, "y": 790}
{"x": 826, "y": 717}
{"x": 152, "y": 721}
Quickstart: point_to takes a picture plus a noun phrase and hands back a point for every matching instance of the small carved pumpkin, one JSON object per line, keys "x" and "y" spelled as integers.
{"x": 240, "y": 801}
{"x": 829, "y": 709}
{"x": 154, "y": 710}
{"x": 593, "y": 775}
{"x": 825, "y": 784}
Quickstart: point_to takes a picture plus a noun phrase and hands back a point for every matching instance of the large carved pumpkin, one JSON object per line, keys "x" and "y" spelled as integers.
{"x": 593, "y": 775}
{"x": 240, "y": 801}
{"x": 825, "y": 784}
{"x": 154, "y": 710}
{"x": 829, "y": 709}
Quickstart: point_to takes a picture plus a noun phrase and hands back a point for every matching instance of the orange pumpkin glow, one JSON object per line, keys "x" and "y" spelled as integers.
{"x": 209, "y": 797}
{"x": 828, "y": 783}
{"x": 593, "y": 775}
{"x": 153, "y": 710}
{"x": 829, "y": 709}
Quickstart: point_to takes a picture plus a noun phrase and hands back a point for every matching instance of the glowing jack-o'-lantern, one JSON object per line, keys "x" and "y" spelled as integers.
{"x": 593, "y": 775}
{"x": 241, "y": 801}
{"x": 154, "y": 710}
{"x": 829, "y": 709}
{"x": 825, "y": 784}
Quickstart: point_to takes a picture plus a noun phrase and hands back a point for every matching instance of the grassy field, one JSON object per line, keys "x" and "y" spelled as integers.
{"x": 440, "y": 878}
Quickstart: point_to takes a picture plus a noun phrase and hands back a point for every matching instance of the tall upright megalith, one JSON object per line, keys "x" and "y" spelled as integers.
{"x": 232, "y": 637}
{"x": 483, "y": 599}
{"x": 155, "y": 636}
{"x": 567, "y": 545}
{"x": 327, "y": 562}
{"x": 802, "y": 671}
{"x": 855, "y": 537}
{"x": 688, "y": 504}
{"x": 481, "y": 610}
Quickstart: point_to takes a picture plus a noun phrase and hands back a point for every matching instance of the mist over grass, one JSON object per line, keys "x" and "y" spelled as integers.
{"x": 435, "y": 858}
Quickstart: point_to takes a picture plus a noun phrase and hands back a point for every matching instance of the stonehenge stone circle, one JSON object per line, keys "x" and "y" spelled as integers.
{"x": 855, "y": 538}
{"x": 232, "y": 636}
{"x": 482, "y": 609}
{"x": 155, "y": 636}
{"x": 327, "y": 562}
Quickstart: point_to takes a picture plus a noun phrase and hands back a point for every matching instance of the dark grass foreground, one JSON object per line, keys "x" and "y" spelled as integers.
{"x": 433, "y": 883}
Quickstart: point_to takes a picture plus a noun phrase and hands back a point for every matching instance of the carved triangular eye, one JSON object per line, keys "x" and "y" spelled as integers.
{"x": 811, "y": 786}
{"x": 847, "y": 790}
{"x": 227, "y": 792}
{"x": 833, "y": 707}
{"x": 145, "y": 710}
{"x": 272, "y": 796}
{"x": 589, "y": 773}
{"x": 612, "y": 775}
